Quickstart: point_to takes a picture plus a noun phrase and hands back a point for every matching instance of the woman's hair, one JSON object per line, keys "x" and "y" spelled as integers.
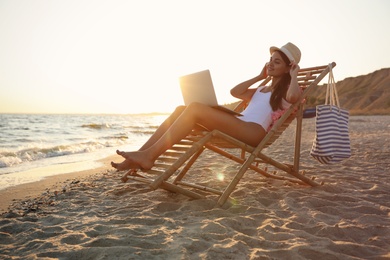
{"x": 281, "y": 87}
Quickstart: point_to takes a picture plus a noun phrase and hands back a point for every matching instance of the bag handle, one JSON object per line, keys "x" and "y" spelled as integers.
{"x": 331, "y": 90}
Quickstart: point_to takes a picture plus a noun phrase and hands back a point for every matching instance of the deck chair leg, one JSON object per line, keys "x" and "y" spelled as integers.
{"x": 180, "y": 176}
{"x": 232, "y": 185}
{"x": 298, "y": 134}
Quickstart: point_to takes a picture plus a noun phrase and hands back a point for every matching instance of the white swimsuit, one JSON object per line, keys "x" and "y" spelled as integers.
{"x": 259, "y": 110}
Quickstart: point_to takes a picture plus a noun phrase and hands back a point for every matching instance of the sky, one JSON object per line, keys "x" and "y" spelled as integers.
{"x": 116, "y": 56}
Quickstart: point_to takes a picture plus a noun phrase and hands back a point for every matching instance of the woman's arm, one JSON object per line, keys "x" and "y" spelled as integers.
{"x": 243, "y": 91}
{"x": 294, "y": 91}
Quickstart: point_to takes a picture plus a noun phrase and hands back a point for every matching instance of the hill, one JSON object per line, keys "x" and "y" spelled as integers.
{"x": 362, "y": 95}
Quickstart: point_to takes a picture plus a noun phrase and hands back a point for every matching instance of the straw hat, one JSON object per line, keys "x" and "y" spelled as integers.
{"x": 292, "y": 52}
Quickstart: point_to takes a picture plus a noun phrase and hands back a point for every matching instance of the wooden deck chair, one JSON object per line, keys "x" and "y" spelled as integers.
{"x": 171, "y": 167}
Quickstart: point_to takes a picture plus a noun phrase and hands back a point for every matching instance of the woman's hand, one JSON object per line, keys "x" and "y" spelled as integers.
{"x": 294, "y": 91}
{"x": 294, "y": 69}
{"x": 243, "y": 90}
{"x": 263, "y": 73}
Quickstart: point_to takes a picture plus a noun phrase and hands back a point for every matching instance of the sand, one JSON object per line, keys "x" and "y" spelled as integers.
{"x": 35, "y": 189}
{"x": 95, "y": 216}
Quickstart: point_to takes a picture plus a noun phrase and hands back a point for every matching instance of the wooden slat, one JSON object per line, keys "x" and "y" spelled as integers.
{"x": 318, "y": 68}
{"x": 180, "y": 148}
{"x": 155, "y": 172}
{"x": 193, "y": 138}
{"x": 173, "y": 153}
{"x": 167, "y": 159}
{"x": 306, "y": 78}
{"x": 186, "y": 142}
{"x": 161, "y": 165}
{"x": 304, "y": 84}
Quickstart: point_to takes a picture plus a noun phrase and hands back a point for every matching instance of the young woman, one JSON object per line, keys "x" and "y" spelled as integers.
{"x": 250, "y": 128}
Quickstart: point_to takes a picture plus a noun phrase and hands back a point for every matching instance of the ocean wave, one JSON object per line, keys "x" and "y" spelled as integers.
{"x": 22, "y": 128}
{"x": 143, "y": 132}
{"x": 96, "y": 126}
{"x": 8, "y": 159}
{"x": 120, "y": 137}
{"x": 24, "y": 140}
{"x": 144, "y": 127}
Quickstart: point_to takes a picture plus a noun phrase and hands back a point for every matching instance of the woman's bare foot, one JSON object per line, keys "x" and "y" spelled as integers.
{"x": 123, "y": 153}
{"x": 138, "y": 158}
{"x": 125, "y": 165}
{"x": 142, "y": 159}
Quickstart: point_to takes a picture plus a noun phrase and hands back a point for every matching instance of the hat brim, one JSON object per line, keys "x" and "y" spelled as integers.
{"x": 273, "y": 49}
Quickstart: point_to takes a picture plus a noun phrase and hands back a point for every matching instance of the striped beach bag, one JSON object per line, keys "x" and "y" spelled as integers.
{"x": 331, "y": 143}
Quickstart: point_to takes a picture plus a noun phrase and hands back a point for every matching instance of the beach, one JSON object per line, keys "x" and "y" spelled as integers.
{"x": 93, "y": 215}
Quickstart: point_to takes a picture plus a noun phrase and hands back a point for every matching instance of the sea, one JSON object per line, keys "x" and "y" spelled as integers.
{"x": 35, "y": 146}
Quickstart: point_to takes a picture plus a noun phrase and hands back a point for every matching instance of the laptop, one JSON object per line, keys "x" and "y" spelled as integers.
{"x": 198, "y": 87}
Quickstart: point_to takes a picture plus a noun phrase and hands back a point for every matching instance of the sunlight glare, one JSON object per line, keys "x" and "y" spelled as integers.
{"x": 220, "y": 177}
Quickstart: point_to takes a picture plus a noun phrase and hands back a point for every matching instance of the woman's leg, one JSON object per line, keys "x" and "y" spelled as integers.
{"x": 163, "y": 127}
{"x": 195, "y": 113}
{"x": 126, "y": 164}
